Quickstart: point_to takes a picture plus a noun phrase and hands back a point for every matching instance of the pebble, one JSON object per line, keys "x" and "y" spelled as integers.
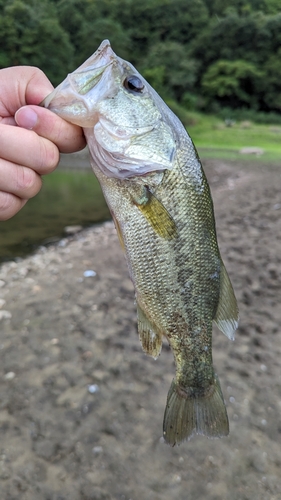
{"x": 62, "y": 243}
{"x": 72, "y": 229}
{"x": 97, "y": 449}
{"x": 89, "y": 273}
{"x": 54, "y": 341}
{"x": 9, "y": 376}
{"x": 176, "y": 478}
{"x": 5, "y": 314}
{"x": 93, "y": 388}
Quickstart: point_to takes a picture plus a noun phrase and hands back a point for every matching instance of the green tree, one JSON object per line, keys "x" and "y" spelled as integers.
{"x": 91, "y": 34}
{"x": 234, "y": 37}
{"x": 90, "y": 22}
{"x": 30, "y": 34}
{"x": 242, "y": 7}
{"x": 233, "y": 83}
{"x": 151, "y": 21}
{"x": 169, "y": 70}
{"x": 227, "y": 50}
{"x": 271, "y": 95}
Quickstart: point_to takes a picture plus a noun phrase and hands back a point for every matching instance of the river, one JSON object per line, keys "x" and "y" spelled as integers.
{"x": 68, "y": 197}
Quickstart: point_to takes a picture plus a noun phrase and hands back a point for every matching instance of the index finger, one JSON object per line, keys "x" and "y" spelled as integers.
{"x": 22, "y": 85}
{"x": 67, "y": 137}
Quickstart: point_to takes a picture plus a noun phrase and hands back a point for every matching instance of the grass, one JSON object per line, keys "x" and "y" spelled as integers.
{"x": 213, "y": 138}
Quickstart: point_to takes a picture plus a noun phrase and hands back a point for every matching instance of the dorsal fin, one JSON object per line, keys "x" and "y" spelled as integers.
{"x": 226, "y": 317}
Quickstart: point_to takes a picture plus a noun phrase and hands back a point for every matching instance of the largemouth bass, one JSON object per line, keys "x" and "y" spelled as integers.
{"x": 160, "y": 201}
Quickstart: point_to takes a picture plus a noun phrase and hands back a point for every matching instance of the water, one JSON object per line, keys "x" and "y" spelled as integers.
{"x": 68, "y": 197}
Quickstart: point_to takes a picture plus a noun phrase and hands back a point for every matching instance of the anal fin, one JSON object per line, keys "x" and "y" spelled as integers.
{"x": 151, "y": 340}
{"x": 227, "y": 314}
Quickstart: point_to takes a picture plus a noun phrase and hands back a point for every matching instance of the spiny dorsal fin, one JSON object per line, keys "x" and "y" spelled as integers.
{"x": 226, "y": 317}
{"x": 156, "y": 214}
{"x": 151, "y": 340}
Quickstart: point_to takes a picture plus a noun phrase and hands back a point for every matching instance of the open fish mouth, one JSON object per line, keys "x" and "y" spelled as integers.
{"x": 76, "y": 98}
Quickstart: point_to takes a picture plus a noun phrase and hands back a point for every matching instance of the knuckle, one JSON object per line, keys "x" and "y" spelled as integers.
{"x": 49, "y": 156}
{"x": 26, "y": 179}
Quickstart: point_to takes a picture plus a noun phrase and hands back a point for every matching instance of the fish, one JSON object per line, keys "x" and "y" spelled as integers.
{"x": 160, "y": 201}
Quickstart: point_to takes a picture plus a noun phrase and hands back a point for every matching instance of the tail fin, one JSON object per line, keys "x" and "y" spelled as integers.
{"x": 188, "y": 414}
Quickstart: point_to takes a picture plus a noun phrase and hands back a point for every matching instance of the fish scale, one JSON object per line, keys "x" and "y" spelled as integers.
{"x": 155, "y": 187}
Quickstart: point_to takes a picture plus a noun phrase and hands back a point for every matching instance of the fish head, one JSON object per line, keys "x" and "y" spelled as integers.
{"x": 129, "y": 129}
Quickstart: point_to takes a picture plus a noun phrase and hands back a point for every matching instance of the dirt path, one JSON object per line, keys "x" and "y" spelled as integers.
{"x": 81, "y": 406}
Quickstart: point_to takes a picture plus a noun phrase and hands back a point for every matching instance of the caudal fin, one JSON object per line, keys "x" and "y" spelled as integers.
{"x": 186, "y": 414}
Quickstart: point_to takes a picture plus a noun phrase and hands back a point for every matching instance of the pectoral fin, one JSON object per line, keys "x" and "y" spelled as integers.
{"x": 155, "y": 213}
{"x": 226, "y": 317}
{"x": 151, "y": 340}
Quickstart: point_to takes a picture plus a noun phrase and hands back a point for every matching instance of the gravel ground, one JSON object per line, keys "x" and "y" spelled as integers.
{"x": 81, "y": 406}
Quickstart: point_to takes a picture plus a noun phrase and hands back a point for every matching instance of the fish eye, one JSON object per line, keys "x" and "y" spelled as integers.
{"x": 134, "y": 84}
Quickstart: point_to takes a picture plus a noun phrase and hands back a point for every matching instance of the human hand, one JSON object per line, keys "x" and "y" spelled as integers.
{"x": 31, "y": 137}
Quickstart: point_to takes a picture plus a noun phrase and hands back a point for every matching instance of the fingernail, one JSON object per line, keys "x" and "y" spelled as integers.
{"x": 26, "y": 118}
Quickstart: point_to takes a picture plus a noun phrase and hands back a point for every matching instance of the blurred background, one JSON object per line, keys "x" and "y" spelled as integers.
{"x": 215, "y": 62}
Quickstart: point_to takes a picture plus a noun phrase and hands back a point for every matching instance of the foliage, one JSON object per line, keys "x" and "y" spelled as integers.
{"x": 168, "y": 68}
{"x": 234, "y": 83}
{"x": 204, "y": 54}
{"x": 242, "y": 7}
{"x": 30, "y": 34}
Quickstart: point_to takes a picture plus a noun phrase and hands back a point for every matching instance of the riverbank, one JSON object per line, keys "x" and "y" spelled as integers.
{"x": 81, "y": 405}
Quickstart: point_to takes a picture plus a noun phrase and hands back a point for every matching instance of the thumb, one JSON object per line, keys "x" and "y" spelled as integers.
{"x": 66, "y": 136}
{"x": 26, "y": 117}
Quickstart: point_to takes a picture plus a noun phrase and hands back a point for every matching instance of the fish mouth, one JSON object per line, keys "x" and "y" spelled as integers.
{"x": 76, "y": 98}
